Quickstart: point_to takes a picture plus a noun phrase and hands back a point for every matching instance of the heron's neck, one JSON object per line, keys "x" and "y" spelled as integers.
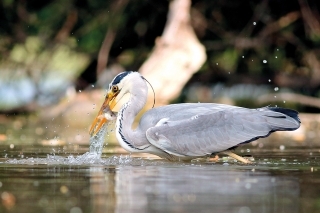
{"x": 132, "y": 140}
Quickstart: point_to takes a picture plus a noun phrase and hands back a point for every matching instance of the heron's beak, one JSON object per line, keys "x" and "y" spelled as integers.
{"x": 100, "y": 120}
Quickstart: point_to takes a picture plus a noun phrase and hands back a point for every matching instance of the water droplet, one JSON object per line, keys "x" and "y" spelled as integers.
{"x": 248, "y": 150}
{"x": 276, "y": 57}
{"x": 276, "y": 88}
{"x": 217, "y": 63}
{"x": 248, "y": 185}
{"x": 92, "y": 85}
{"x": 254, "y": 23}
{"x": 64, "y": 189}
{"x": 284, "y": 102}
{"x": 269, "y": 80}
{"x": 275, "y": 96}
{"x": 11, "y": 146}
{"x": 277, "y": 49}
{"x": 282, "y": 147}
{"x": 243, "y": 56}
{"x": 229, "y": 73}
{"x": 75, "y": 210}
{"x": 265, "y": 61}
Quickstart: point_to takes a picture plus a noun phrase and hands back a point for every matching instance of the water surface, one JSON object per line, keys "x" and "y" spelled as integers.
{"x": 286, "y": 182}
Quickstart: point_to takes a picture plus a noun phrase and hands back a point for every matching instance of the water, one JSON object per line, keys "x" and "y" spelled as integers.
{"x": 122, "y": 183}
{"x": 97, "y": 141}
{"x": 67, "y": 178}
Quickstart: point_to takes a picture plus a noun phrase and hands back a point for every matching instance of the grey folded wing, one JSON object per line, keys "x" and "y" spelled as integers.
{"x": 201, "y": 135}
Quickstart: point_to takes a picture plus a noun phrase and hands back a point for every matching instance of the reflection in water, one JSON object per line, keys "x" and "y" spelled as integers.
{"x": 127, "y": 184}
{"x": 102, "y": 186}
{"x": 204, "y": 189}
{"x": 155, "y": 186}
{"x": 44, "y": 189}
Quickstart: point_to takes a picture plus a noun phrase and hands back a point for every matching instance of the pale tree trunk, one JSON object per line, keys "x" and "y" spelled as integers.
{"x": 177, "y": 55}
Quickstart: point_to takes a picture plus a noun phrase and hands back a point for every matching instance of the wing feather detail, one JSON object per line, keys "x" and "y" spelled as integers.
{"x": 203, "y": 134}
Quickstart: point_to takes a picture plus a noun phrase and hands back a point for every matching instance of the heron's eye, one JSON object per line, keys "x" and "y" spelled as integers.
{"x": 115, "y": 89}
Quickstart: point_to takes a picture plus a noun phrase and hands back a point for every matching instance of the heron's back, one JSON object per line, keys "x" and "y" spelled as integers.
{"x": 201, "y": 129}
{"x": 177, "y": 112}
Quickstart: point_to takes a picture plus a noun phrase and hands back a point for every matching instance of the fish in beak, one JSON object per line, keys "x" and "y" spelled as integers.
{"x": 105, "y": 113}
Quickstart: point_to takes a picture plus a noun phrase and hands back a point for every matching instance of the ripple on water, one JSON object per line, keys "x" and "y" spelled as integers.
{"x": 86, "y": 159}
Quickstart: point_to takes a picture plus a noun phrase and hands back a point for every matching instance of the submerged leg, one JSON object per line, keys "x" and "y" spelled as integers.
{"x": 237, "y": 157}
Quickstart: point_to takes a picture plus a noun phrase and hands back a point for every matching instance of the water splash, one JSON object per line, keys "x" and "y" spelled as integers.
{"x": 87, "y": 159}
{"x": 91, "y": 157}
{"x": 97, "y": 141}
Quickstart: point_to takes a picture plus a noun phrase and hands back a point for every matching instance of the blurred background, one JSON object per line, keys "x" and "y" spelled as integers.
{"x": 57, "y": 57}
{"x": 49, "y": 49}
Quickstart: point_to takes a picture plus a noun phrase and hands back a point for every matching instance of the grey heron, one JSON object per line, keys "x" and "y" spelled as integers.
{"x": 186, "y": 130}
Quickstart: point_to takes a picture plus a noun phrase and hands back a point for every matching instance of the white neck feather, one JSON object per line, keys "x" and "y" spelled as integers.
{"x": 129, "y": 139}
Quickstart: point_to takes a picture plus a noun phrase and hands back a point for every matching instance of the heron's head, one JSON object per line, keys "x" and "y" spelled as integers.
{"x": 118, "y": 87}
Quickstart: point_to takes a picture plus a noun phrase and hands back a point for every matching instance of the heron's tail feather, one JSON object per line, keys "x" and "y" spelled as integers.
{"x": 289, "y": 112}
{"x": 283, "y": 119}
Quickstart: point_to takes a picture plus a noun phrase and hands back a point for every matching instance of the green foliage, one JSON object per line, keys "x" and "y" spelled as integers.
{"x": 35, "y": 56}
{"x": 228, "y": 59}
